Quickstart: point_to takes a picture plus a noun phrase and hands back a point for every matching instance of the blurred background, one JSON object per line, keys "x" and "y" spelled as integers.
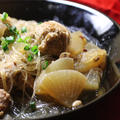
{"x": 108, "y": 7}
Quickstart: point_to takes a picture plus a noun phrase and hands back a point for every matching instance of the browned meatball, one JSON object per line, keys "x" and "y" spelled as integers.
{"x": 53, "y": 37}
{"x": 4, "y": 101}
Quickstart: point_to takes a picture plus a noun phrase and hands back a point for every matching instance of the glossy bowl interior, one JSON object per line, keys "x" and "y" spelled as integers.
{"x": 96, "y": 27}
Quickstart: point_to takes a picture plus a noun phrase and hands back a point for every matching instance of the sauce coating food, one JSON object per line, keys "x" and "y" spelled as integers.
{"x": 46, "y": 60}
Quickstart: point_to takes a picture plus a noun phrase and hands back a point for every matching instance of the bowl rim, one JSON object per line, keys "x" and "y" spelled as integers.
{"x": 92, "y": 10}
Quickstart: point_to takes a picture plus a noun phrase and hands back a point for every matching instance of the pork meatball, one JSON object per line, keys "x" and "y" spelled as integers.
{"x": 53, "y": 38}
{"x": 4, "y": 101}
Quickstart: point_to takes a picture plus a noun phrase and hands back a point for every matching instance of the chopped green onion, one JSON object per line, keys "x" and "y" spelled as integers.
{"x": 4, "y": 44}
{"x": 4, "y": 16}
{"x": 33, "y": 106}
{"x": 39, "y": 22}
{"x": 23, "y": 29}
{"x": 19, "y": 39}
{"x": 8, "y": 26}
{"x": 14, "y": 30}
{"x": 17, "y": 32}
{"x": 30, "y": 57}
{"x": 27, "y": 39}
{"x": 10, "y": 39}
{"x": 45, "y": 65}
{"x": 24, "y": 41}
{"x": 1, "y": 39}
{"x": 34, "y": 49}
{"x": 27, "y": 47}
{"x": 18, "y": 36}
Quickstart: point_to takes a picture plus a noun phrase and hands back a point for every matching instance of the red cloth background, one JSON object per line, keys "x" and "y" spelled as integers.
{"x": 110, "y": 108}
{"x": 109, "y": 7}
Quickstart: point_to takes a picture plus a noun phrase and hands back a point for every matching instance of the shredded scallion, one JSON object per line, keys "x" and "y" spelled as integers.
{"x": 27, "y": 47}
{"x": 34, "y": 49}
{"x": 33, "y": 106}
{"x": 23, "y": 29}
{"x": 4, "y": 16}
{"x": 30, "y": 58}
{"x": 45, "y": 65}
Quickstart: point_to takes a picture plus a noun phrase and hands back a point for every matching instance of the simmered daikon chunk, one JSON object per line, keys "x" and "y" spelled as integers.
{"x": 90, "y": 46}
{"x": 91, "y": 59}
{"x": 77, "y": 43}
{"x": 64, "y": 85}
{"x": 60, "y": 64}
{"x": 93, "y": 79}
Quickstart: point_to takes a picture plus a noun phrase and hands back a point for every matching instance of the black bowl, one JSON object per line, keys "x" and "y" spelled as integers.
{"x": 96, "y": 27}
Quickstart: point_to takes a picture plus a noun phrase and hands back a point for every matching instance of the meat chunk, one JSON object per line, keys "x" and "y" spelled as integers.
{"x": 4, "y": 101}
{"x": 53, "y": 38}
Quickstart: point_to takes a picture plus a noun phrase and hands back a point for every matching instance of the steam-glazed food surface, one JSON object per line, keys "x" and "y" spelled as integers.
{"x": 46, "y": 64}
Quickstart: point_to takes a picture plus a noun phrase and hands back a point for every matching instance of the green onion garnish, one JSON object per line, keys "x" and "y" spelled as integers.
{"x": 39, "y": 22}
{"x": 4, "y": 16}
{"x": 27, "y": 39}
{"x": 34, "y": 49}
{"x": 19, "y": 40}
{"x": 18, "y": 36}
{"x": 4, "y": 44}
{"x": 14, "y": 30}
{"x": 33, "y": 106}
{"x": 45, "y": 65}
{"x": 23, "y": 29}
{"x": 30, "y": 57}
{"x": 10, "y": 39}
{"x": 27, "y": 47}
{"x": 6, "y": 41}
{"x": 8, "y": 26}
